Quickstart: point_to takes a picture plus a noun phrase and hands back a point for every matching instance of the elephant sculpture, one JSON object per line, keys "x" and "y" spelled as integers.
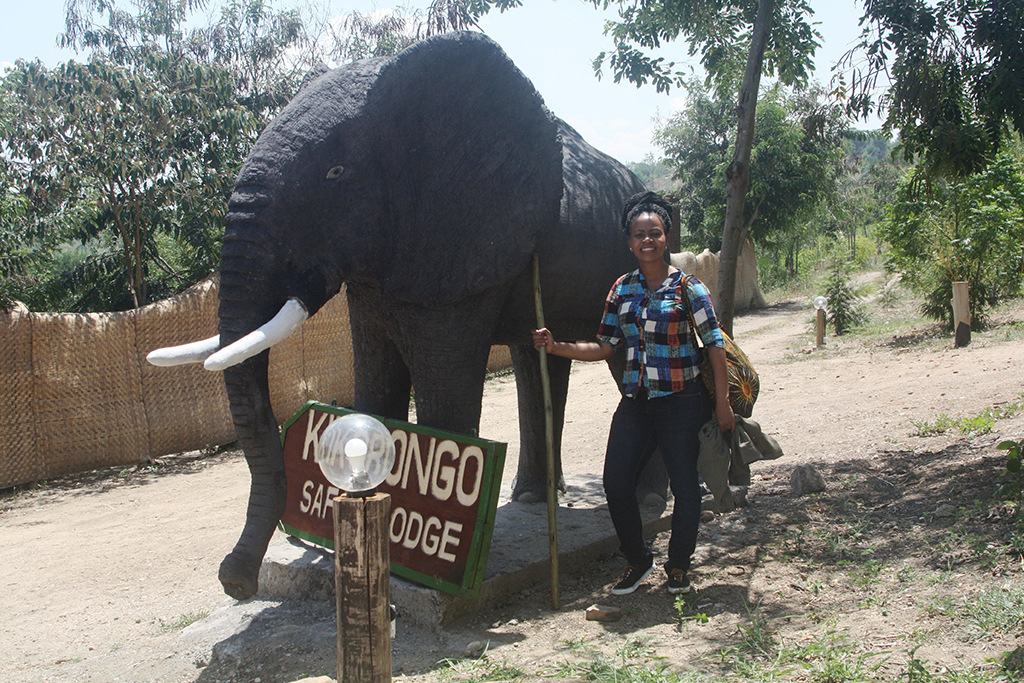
{"x": 425, "y": 183}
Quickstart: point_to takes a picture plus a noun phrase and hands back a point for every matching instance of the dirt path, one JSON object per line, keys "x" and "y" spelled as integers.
{"x": 100, "y": 575}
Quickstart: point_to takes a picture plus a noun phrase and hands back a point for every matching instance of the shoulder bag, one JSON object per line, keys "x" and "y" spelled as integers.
{"x": 743, "y": 383}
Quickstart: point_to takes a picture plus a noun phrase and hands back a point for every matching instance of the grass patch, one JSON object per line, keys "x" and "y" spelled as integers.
{"x": 469, "y": 670}
{"x": 985, "y": 614}
{"x": 182, "y": 621}
{"x": 976, "y": 425}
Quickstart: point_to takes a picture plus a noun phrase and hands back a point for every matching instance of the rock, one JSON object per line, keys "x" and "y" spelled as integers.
{"x": 654, "y": 499}
{"x": 707, "y": 515}
{"x": 806, "y": 479}
{"x": 1014, "y": 661}
{"x": 318, "y": 679}
{"x": 945, "y": 510}
{"x": 475, "y": 649}
{"x": 739, "y": 495}
{"x": 603, "y": 613}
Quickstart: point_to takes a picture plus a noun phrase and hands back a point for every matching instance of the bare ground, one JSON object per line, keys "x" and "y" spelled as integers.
{"x": 908, "y": 559}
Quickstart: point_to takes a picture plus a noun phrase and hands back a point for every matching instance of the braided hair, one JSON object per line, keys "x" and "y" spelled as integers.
{"x": 646, "y": 202}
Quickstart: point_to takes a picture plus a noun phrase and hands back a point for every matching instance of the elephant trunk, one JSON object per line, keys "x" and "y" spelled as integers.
{"x": 256, "y": 427}
{"x": 245, "y": 304}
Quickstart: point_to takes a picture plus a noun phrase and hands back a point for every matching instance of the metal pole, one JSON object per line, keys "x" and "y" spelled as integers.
{"x": 549, "y": 438}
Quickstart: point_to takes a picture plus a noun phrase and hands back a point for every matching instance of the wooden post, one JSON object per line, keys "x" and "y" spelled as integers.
{"x": 363, "y": 586}
{"x": 961, "y": 314}
{"x": 549, "y": 439}
{"x": 819, "y": 338}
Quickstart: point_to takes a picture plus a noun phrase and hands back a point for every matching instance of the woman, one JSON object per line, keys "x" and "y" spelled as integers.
{"x": 664, "y": 402}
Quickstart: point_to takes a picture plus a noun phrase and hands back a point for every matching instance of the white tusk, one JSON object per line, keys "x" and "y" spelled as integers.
{"x": 196, "y": 352}
{"x": 281, "y": 326}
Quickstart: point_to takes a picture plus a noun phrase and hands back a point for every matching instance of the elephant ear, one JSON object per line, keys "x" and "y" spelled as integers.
{"x": 471, "y": 164}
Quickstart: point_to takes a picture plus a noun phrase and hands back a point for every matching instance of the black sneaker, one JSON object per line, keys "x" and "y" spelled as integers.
{"x": 678, "y": 583}
{"x": 631, "y": 579}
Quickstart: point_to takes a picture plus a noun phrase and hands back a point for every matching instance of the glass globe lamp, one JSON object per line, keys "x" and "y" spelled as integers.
{"x": 356, "y": 453}
{"x": 820, "y": 303}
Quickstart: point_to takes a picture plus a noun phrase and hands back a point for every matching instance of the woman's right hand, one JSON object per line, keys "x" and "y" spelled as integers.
{"x": 542, "y": 338}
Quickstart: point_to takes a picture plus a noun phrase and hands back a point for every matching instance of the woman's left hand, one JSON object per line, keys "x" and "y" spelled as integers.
{"x": 720, "y": 369}
{"x": 726, "y": 418}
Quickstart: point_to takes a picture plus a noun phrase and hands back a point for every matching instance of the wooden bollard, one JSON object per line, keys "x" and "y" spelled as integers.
{"x": 961, "y": 314}
{"x": 819, "y": 332}
{"x": 363, "y": 586}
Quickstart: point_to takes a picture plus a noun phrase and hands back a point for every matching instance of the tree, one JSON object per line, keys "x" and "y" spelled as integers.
{"x": 775, "y": 38}
{"x": 796, "y": 162}
{"x": 655, "y": 173}
{"x": 866, "y": 188}
{"x": 117, "y": 172}
{"x": 943, "y": 231}
{"x": 955, "y": 71}
{"x": 116, "y": 158}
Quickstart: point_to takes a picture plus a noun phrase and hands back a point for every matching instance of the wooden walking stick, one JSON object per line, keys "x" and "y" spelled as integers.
{"x": 549, "y": 439}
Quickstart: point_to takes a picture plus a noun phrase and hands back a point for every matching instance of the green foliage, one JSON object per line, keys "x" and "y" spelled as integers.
{"x": 844, "y": 310}
{"x": 719, "y": 31}
{"x": 686, "y": 610}
{"x": 1014, "y": 451}
{"x": 111, "y": 157}
{"x": 125, "y": 162}
{"x": 115, "y": 172}
{"x": 970, "y": 230}
{"x": 986, "y": 614}
{"x": 956, "y": 70}
{"x": 654, "y": 173}
{"x": 182, "y": 621}
{"x": 977, "y": 425}
{"x": 796, "y": 161}
{"x": 918, "y": 672}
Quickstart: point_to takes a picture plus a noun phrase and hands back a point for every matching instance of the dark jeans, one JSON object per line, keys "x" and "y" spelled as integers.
{"x": 671, "y": 423}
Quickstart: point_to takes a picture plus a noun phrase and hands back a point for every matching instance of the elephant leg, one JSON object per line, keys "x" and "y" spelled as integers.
{"x": 530, "y": 485}
{"x": 652, "y": 488}
{"x": 382, "y": 381}
{"x": 258, "y": 435}
{"x": 446, "y": 350}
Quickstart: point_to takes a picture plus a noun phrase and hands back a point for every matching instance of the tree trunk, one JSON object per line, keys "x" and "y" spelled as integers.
{"x": 737, "y": 176}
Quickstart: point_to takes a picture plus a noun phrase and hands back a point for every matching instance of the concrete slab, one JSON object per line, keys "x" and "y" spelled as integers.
{"x": 518, "y": 559}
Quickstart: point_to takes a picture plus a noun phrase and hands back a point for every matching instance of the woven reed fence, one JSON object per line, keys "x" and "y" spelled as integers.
{"x": 76, "y": 392}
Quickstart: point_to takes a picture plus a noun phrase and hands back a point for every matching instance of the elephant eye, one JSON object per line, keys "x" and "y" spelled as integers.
{"x": 335, "y": 172}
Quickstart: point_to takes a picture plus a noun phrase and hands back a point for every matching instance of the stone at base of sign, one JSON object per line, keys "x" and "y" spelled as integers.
{"x": 518, "y": 557}
{"x": 296, "y": 570}
{"x": 603, "y": 613}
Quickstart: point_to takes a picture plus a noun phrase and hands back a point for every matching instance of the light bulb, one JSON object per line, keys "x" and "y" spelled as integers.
{"x": 820, "y": 303}
{"x": 356, "y": 453}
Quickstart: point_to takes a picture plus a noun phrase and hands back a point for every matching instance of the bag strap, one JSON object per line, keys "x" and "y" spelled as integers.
{"x": 684, "y": 295}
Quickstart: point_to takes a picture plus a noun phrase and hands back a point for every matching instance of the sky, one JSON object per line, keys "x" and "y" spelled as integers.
{"x": 553, "y": 42}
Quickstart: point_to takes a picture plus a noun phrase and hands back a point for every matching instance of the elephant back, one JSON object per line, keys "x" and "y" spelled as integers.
{"x": 471, "y": 167}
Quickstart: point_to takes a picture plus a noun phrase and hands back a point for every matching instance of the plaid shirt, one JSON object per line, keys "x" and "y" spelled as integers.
{"x": 662, "y": 351}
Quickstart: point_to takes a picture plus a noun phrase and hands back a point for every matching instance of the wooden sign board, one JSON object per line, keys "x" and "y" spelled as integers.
{"x": 444, "y": 497}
